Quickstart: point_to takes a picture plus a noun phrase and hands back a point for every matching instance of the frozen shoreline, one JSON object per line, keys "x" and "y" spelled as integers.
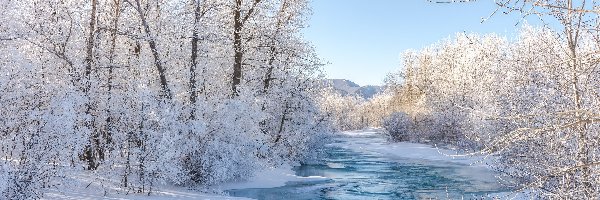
{"x": 407, "y": 150}
{"x": 78, "y": 188}
{"x": 277, "y": 177}
{"x": 477, "y": 164}
{"x": 269, "y": 178}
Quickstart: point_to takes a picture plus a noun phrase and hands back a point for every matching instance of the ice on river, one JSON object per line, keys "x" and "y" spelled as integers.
{"x": 360, "y": 165}
{"x": 364, "y": 165}
{"x": 371, "y": 142}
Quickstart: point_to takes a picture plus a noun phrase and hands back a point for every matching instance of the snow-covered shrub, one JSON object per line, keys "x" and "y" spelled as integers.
{"x": 303, "y": 135}
{"x": 26, "y": 182}
{"x": 297, "y": 128}
{"x": 135, "y": 113}
{"x": 4, "y": 177}
{"x": 399, "y": 126}
{"x": 230, "y": 149}
{"x": 175, "y": 145}
{"x": 344, "y": 111}
{"x": 37, "y": 124}
{"x": 532, "y": 102}
{"x": 445, "y": 126}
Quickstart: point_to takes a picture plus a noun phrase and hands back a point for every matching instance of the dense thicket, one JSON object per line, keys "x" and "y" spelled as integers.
{"x": 520, "y": 100}
{"x": 534, "y": 102}
{"x": 154, "y": 91}
{"x": 353, "y": 112}
{"x": 531, "y": 102}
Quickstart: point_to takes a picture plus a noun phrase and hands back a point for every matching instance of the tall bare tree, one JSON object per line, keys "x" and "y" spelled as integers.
{"x": 151, "y": 39}
{"x": 239, "y": 20}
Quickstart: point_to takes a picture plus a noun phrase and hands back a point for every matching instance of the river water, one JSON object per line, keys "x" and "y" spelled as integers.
{"x": 353, "y": 171}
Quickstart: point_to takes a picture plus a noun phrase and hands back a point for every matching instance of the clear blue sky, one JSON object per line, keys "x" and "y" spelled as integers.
{"x": 362, "y": 39}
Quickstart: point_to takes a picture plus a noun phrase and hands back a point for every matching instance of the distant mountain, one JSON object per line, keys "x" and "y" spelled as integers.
{"x": 349, "y": 88}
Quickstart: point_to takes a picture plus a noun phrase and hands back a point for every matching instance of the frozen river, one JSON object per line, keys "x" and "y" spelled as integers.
{"x": 363, "y": 165}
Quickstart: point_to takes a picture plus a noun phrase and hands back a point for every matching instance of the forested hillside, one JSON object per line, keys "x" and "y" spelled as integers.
{"x": 348, "y": 88}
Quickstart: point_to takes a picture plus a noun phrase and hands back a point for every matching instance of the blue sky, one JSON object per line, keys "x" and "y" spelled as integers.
{"x": 362, "y": 39}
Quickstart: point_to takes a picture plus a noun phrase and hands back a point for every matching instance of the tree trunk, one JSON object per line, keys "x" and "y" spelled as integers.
{"x": 113, "y": 34}
{"x": 237, "y": 47}
{"x": 92, "y": 152}
{"x": 582, "y": 150}
{"x": 90, "y": 46}
{"x": 272, "y": 49}
{"x": 282, "y": 122}
{"x": 269, "y": 75}
{"x": 194, "y": 62}
{"x": 166, "y": 92}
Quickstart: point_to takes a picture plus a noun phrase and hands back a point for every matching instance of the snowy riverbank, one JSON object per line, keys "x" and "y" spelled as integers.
{"x": 373, "y": 156}
{"x": 407, "y": 150}
{"x": 85, "y": 187}
{"x": 478, "y": 165}
{"x": 270, "y": 178}
{"x": 276, "y": 177}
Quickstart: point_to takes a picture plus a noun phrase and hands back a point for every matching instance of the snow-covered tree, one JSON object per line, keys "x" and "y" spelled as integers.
{"x": 140, "y": 91}
{"x": 514, "y": 99}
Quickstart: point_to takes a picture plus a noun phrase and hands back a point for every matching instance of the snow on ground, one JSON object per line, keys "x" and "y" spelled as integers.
{"x": 276, "y": 177}
{"x": 513, "y": 196}
{"x": 402, "y": 151}
{"x": 162, "y": 194}
{"x": 270, "y": 178}
{"x": 78, "y": 189}
{"x": 86, "y": 187}
{"x": 405, "y": 150}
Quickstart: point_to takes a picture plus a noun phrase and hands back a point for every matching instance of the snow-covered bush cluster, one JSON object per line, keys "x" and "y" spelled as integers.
{"x": 399, "y": 126}
{"x": 151, "y": 92}
{"x": 343, "y": 110}
{"x": 354, "y": 112}
{"x": 533, "y": 102}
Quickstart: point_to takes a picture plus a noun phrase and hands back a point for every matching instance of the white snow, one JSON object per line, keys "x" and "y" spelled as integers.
{"x": 512, "y": 195}
{"x": 163, "y": 194}
{"x": 405, "y": 150}
{"x": 477, "y": 171}
{"x": 270, "y": 178}
{"x": 276, "y": 177}
{"x": 87, "y": 186}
